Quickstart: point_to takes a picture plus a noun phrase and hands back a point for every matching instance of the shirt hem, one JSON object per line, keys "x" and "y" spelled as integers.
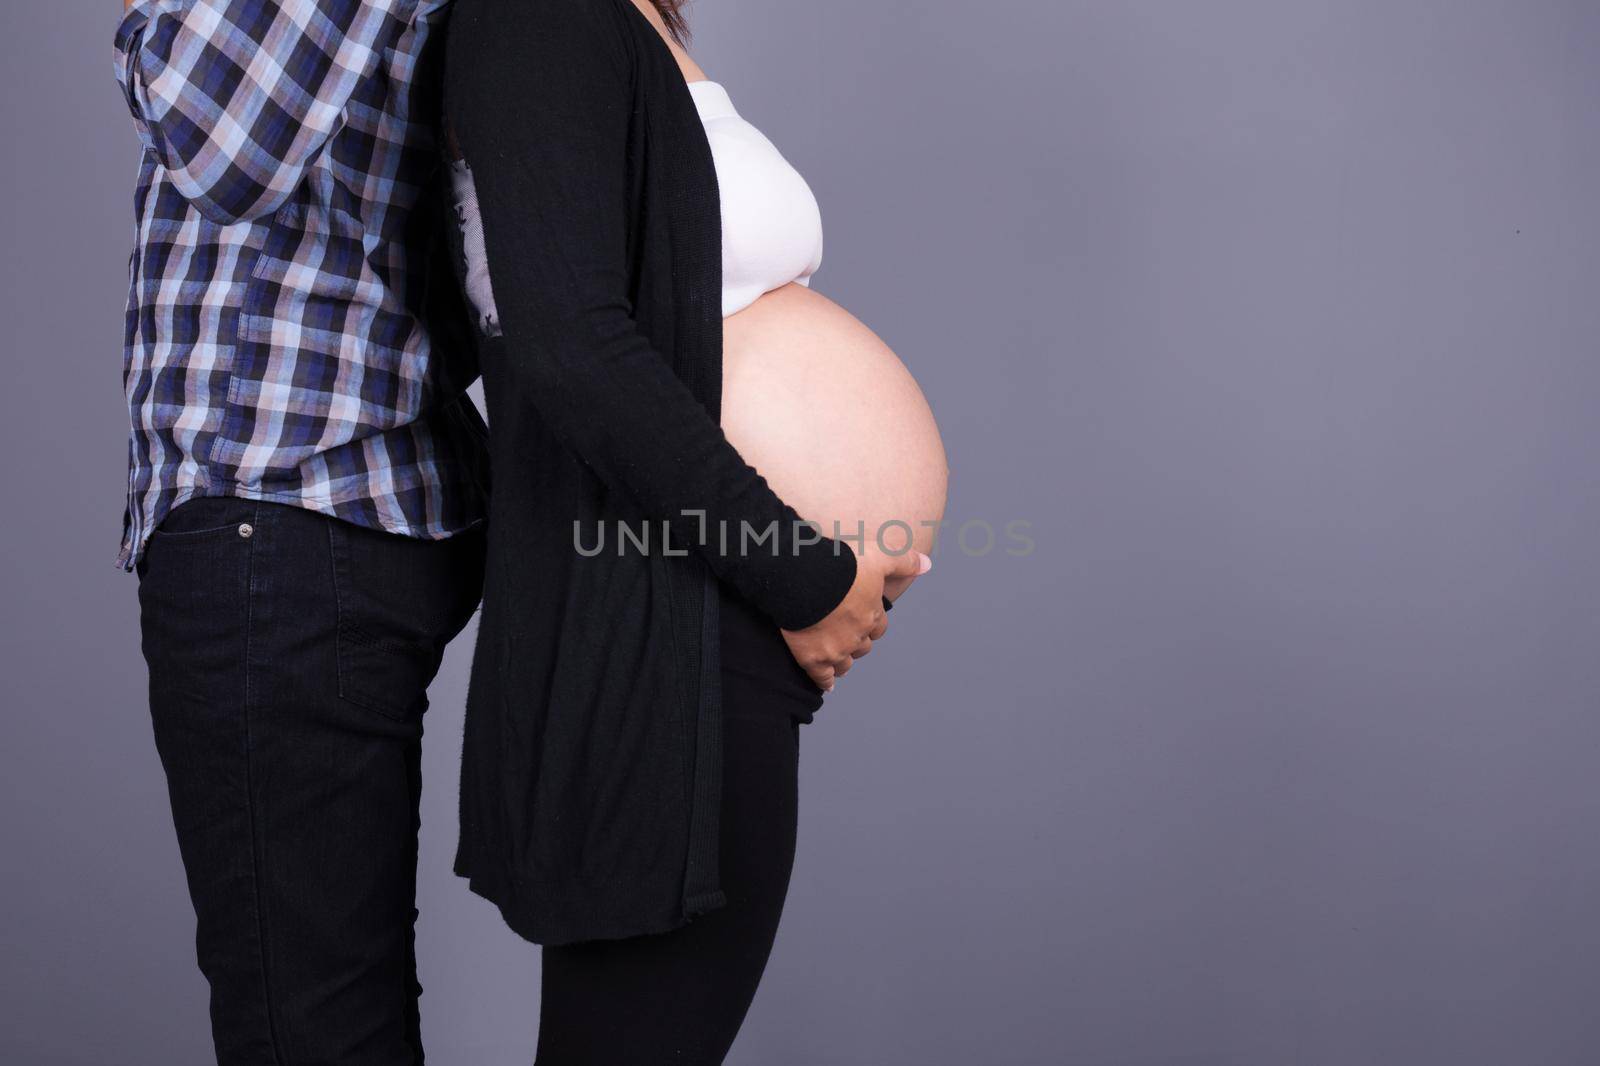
{"x": 133, "y": 549}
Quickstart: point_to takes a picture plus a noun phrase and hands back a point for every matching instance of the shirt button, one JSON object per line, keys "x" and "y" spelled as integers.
{"x": 246, "y": 530}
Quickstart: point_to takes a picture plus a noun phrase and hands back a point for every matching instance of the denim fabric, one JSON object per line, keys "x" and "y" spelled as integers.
{"x": 289, "y": 657}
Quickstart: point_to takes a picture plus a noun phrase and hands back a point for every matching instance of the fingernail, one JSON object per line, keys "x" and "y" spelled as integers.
{"x": 924, "y": 563}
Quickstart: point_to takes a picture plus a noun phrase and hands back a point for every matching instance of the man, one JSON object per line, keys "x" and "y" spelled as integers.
{"x": 305, "y": 493}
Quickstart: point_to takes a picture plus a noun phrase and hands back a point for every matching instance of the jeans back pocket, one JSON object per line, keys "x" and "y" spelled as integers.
{"x": 400, "y": 601}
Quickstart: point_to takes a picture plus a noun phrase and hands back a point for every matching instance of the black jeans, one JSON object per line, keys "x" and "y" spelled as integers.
{"x": 290, "y": 656}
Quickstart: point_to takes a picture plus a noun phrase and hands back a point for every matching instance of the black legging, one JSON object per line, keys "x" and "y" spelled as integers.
{"x": 680, "y": 997}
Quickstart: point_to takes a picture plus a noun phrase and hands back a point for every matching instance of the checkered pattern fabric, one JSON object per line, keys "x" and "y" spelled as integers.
{"x": 274, "y": 347}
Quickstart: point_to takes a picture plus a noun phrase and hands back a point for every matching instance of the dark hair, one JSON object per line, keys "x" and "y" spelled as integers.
{"x": 672, "y": 15}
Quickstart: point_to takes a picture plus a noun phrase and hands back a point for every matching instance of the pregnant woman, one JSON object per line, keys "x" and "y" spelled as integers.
{"x": 674, "y": 415}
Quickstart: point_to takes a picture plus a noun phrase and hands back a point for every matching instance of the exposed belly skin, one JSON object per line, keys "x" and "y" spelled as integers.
{"x": 832, "y": 419}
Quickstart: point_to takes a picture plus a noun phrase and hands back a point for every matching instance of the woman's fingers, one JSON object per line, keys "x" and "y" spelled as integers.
{"x": 830, "y": 647}
{"x": 906, "y": 569}
{"x": 822, "y": 677}
{"x": 825, "y": 672}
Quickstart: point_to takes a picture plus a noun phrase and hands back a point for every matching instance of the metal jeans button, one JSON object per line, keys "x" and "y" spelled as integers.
{"x": 246, "y": 530}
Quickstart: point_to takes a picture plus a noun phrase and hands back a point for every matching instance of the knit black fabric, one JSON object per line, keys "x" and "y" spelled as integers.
{"x": 591, "y": 759}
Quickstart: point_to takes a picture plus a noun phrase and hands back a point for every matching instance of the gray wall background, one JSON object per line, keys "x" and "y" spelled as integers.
{"x": 1277, "y": 319}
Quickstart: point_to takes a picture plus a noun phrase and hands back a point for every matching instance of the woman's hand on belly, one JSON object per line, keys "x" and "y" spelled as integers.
{"x": 834, "y": 422}
{"x": 827, "y": 650}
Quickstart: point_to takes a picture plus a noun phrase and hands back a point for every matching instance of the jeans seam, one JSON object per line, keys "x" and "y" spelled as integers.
{"x": 257, "y": 845}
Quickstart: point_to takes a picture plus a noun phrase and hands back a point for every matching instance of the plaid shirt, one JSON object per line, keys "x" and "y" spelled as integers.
{"x": 285, "y": 206}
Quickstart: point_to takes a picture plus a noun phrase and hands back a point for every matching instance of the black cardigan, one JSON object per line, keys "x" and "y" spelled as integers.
{"x": 591, "y": 761}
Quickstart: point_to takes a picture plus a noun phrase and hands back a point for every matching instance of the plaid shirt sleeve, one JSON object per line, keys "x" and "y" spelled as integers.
{"x": 236, "y": 98}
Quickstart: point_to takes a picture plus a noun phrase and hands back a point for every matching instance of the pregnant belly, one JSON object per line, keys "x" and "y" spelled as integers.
{"x": 832, "y": 419}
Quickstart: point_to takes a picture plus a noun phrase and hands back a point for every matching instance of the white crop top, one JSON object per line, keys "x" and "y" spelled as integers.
{"x": 771, "y": 226}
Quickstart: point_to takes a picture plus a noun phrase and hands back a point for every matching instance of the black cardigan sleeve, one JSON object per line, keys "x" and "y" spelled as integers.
{"x": 542, "y": 120}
